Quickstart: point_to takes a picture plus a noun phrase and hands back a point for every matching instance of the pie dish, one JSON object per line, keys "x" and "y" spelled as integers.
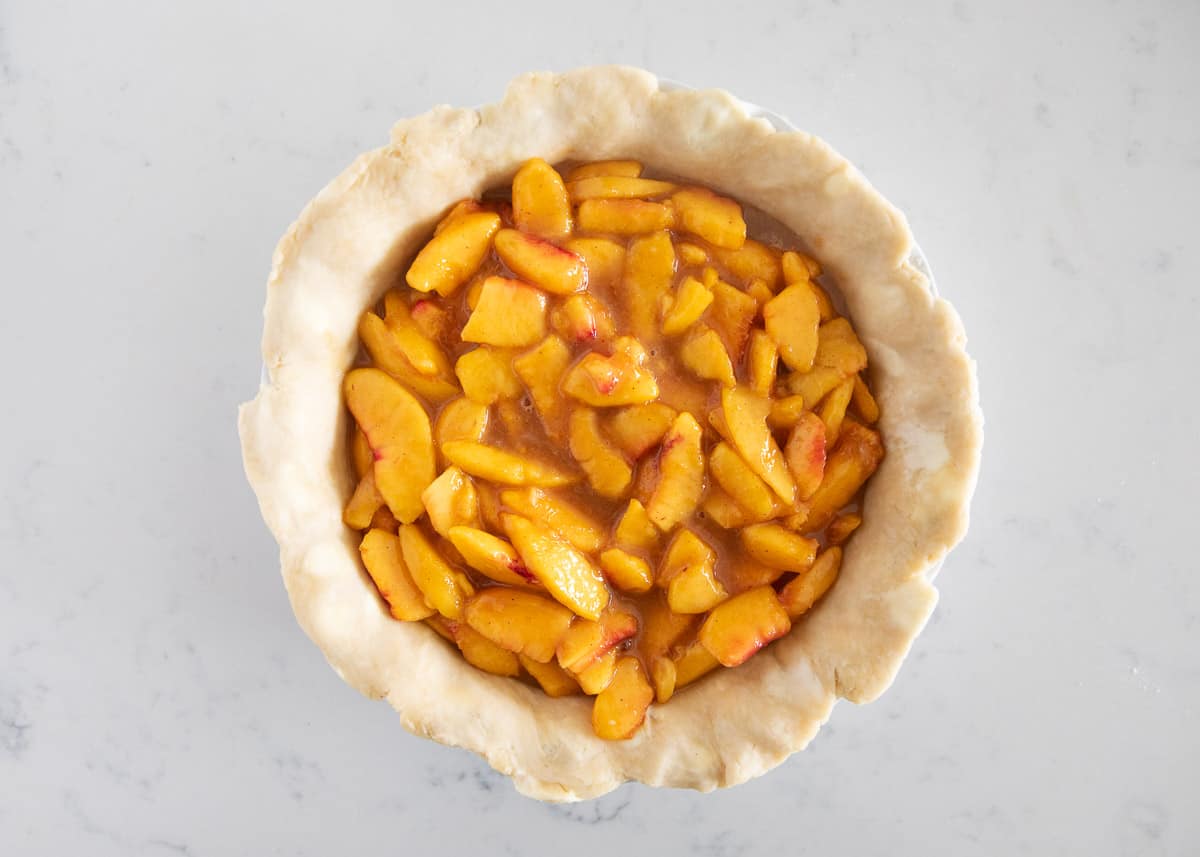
{"x": 354, "y": 241}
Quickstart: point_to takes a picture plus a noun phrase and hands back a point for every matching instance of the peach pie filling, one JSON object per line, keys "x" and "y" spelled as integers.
{"x": 606, "y": 442}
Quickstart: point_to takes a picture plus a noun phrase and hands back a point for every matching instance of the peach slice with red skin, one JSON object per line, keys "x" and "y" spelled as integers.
{"x": 805, "y": 453}
{"x": 397, "y": 429}
{"x": 454, "y": 254}
{"x": 540, "y": 203}
{"x": 541, "y": 263}
{"x": 566, "y": 572}
{"x": 620, "y": 708}
{"x": 444, "y": 587}
{"x": 582, "y": 318}
{"x": 431, "y": 319}
{"x": 610, "y": 381}
{"x": 716, "y": 219}
{"x": 491, "y": 556}
{"x": 851, "y": 463}
{"x": 736, "y": 629}
{"x": 509, "y": 313}
{"x": 586, "y": 641}
{"x": 381, "y": 555}
{"x": 461, "y": 419}
{"x": 520, "y": 621}
{"x": 681, "y": 474}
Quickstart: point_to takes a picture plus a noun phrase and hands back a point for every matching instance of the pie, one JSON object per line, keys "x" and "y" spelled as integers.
{"x": 569, "y": 465}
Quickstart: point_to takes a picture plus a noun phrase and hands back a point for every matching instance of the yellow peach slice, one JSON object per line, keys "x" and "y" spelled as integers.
{"x": 486, "y": 375}
{"x": 778, "y": 547}
{"x": 695, "y": 590}
{"x": 605, "y": 260}
{"x": 687, "y": 550}
{"x": 752, "y": 261}
{"x": 864, "y": 403}
{"x": 520, "y": 621}
{"x": 623, "y": 216}
{"x": 461, "y": 419}
{"x": 360, "y": 453}
{"x": 508, "y": 468}
{"x": 722, "y": 509}
{"x": 716, "y": 219}
{"x": 625, "y": 571}
{"x": 681, "y": 474}
{"x": 649, "y": 269}
{"x": 786, "y": 412}
{"x": 554, "y": 680}
{"x": 691, "y": 254}
{"x": 540, "y": 203}
{"x": 509, "y": 314}
{"x": 635, "y": 529}
{"x": 759, "y": 292}
{"x": 607, "y": 471}
{"x": 745, "y": 573}
{"x": 745, "y": 415}
{"x": 609, "y": 382}
{"x": 805, "y": 453}
{"x": 739, "y": 627}
{"x": 381, "y": 555}
{"x": 454, "y": 254}
{"x": 814, "y": 385}
{"x": 582, "y": 318}
{"x": 833, "y": 409}
{"x": 803, "y": 591}
{"x": 397, "y": 428}
{"x": 429, "y": 318}
{"x": 586, "y": 641}
{"x": 662, "y": 676}
{"x": 798, "y": 268}
{"x": 385, "y": 351}
{"x": 629, "y": 169}
{"x": 842, "y": 527}
{"x": 850, "y": 464}
{"x": 491, "y": 556}
{"x": 463, "y": 206}
{"x": 482, "y": 653}
{"x": 540, "y": 370}
{"x": 451, "y": 501}
{"x": 838, "y": 347}
{"x": 688, "y": 303}
{"x": 597, "y": 676}
{"x": 620, "y": 708}
{"x": 692, "y": 663}
{"x": 742, "y": 484}
{"x": 638, "y": 428}
{"x": 731, "y": 315}
{"x": 662, "y": 628}
{"x": 363, "y": 504}
{"x": 445, "y": 588}
{"x": 616, "y": 187}
{"x": 541, "y": 263}
{"x": 704, "y": 355}
{"x": 566, "y": 572}
{"x": 551, "y": 510}
{"x": 791, "y": 319}
{"x": 762, "y": 362}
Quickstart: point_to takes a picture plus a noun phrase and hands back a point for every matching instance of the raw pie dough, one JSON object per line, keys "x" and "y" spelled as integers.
{"x": 349, "y": 246}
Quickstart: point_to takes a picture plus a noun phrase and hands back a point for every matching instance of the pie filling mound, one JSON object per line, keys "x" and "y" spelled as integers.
{"x": 606, "y": 442}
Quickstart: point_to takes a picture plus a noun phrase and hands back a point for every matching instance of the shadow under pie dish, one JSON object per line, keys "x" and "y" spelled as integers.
{"x": 702, "y": 330}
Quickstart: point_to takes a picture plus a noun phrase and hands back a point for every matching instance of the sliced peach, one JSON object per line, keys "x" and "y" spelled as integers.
{"x": 723, "y": 510}
{"x": 746, "y": 573}
{"x": 695, "y": 590}
{"x": 621, "y": 707}
{"x": 805, "y": 453}
{"x": 445, "y": 588}
{"x": 635, "y": 529}
{"x": 429, "y": 318}
{"x": 687, "y": 550}
{"x": 425, "y": 355}
{"x": 363, "y": 504}
{"x": 397, "y": 428}
{"x": 686, "y": 306}
{"x": 616, "y": 187}
{"x": 605, "y": 260}
{"x": 454, "y": 254}
{"x": 814, "y": 385}
{"x": 498, "y": 465}
{"x": 486, "y": 375}
{"x": 509, "y": 313}
{"x": 623, "y": 216}
{"x": 691, "y": 254}
{"x": 804, "y": 590}
{"x": 662, "y": 628}
{"x": 786, "y": 412}
{"x": 630, "y": 169}
{"x": 586, "y": 641}
{"x": 716, "y": 219}
{"x": 833, "y": 409}
{"x": 638, "y": 428}
{"x": 482, "y": 653}
{"x": 704, "y": 354}
{"x": 463, "y": 206}
{"x": 582, "y": 318}
{"x": 681, "y": 474}
{"x": 742, "y": 484}
{"x": 490, "y": 556}
{"x": 609, "y": 382}
{"x": 864, "y": 403}
{"x": 792, "y": 318}
{"x": 798, "y": 267}
{"x": 838, "y": 347}
{"x": 662, "y": 676}
{"x": 360, "y": 453}
{"x": 442, "y": 626}
{"x": 566, "y": 572}
{"x": 739, "y": 627}
{"x": 553, "y": 511}
{"x": 731, "y": 314}
{"x": 540, "y": 370}
{"x": 540, "y": 203}
{"x": 381, "y": 555}
{"x": 383, "y": 519}
{"x": 385, "y": 351}
{"x": 760, "y": 293}
{"x": 752, "y": 261}
{"x": 842, "y": 527}
{"x": 598, "y": 675}
{"x": 541, "y": 263}
{"x": 762, "y": 362}
{"x": 778, "y": 547}
{"x": 520, "y": 621}
{"x": 692, "y": 663}
{"x": 607, "y": 471}
{"x": 461, "y": 419}
{"x": 649, "y": 269}
{"x": 850, "y": 464}
{"x": 554, "y": 680}
{"x": 625, "y": 571}
{"x": 451, "y": 501}
{"x": 746, "y": 417}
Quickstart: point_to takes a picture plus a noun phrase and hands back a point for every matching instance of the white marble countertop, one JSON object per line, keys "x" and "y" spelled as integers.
{"x": 156, "y": 696}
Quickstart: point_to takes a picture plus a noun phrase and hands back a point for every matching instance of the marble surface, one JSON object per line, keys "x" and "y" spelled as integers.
{"x": 156, "y": 696}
